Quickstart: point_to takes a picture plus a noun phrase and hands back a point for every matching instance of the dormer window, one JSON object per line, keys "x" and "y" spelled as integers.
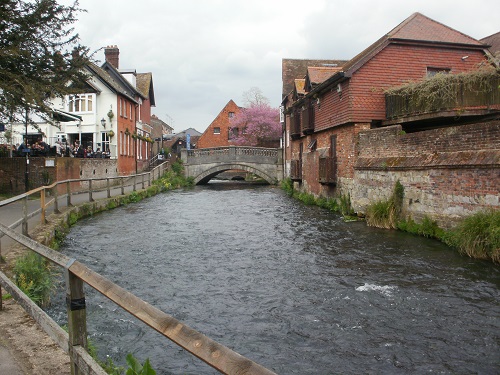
{"x": 81, "y": 103}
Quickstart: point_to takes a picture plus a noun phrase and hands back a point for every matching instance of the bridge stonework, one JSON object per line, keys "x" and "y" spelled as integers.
{"x": 203, "y": 164}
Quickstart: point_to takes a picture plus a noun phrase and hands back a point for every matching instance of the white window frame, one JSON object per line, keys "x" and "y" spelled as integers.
{"x": 77, "y": 100}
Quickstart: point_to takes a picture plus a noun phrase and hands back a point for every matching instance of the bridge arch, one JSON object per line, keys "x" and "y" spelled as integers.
{"x": 208, "y": 174}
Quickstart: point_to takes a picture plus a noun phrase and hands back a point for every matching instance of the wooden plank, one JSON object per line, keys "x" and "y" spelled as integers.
{"x": 84, "y": 361}
{"x": 209, "y": 351}
{"x": 53, "y": 256}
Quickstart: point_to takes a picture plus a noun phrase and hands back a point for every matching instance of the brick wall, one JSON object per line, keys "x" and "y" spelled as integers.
{"x": 447, "y": 173}
{"x": 345, "y": 156}
{"x": 222, "y": 121}
{"x": 12, "y": 172}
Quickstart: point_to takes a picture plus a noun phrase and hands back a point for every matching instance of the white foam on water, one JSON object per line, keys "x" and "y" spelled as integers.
{"x": 385, "y": 290}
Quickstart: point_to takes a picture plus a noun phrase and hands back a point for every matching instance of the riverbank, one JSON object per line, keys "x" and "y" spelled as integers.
{"x": 477, "y": 236}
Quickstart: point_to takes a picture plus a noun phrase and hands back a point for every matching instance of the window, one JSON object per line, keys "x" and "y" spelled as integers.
{"x": 121, "y": 107}
{"x": 216, "y": 130}
{"x": 81, "y": 103}
{"x": 104, "y": 142}
{"x": 231, "y": 114}
{"x": 432, "y": 71}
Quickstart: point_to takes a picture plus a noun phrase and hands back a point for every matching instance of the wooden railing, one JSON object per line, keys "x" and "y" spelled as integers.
{"x": 50, "y": 195}
{"x": 76, "y": 274}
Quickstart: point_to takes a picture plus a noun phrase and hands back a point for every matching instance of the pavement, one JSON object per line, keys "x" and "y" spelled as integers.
{"x": 9, "y": 364}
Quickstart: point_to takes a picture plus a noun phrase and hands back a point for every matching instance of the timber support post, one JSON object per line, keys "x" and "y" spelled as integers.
{"x": 77, "y": 316}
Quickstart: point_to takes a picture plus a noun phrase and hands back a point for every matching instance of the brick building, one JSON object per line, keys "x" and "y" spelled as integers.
{"x": 325, "y": 113}
{"x": 219, "y": 133}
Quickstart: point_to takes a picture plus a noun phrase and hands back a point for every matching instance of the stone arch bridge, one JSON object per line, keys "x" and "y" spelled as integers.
{"x": 205, "y": 163}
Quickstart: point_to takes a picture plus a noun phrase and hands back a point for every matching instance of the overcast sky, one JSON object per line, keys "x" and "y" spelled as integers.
{"x": 202, "y": 53}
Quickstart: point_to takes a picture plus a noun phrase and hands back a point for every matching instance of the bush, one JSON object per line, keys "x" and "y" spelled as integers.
{"x": 33, "y": 277}
{"x": 478, "y": 236}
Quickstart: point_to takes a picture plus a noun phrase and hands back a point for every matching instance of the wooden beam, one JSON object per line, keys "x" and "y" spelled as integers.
{"x": 214, "y": 354}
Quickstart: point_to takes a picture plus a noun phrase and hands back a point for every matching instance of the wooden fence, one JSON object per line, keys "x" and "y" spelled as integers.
{"x": 76, "y": 274}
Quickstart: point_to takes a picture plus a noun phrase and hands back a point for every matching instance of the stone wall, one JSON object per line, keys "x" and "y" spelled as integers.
{"x": 447, "y": 173}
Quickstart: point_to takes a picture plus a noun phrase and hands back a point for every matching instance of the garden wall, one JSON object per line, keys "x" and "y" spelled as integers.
{"x": 447, "y": 173}
{"x": 44, "y": 171}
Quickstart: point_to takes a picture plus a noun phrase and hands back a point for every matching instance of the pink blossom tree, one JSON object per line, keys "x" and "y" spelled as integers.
{"x": 258, "y": 125}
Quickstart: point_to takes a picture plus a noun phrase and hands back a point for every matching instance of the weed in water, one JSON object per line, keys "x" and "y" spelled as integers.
{"x": 477, "y": 236}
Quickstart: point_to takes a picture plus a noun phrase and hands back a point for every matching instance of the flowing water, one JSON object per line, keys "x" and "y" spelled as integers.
{"x": 290, "y": 286}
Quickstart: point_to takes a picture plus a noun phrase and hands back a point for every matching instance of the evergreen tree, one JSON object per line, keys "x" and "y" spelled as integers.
{"x": 40, "y": 55}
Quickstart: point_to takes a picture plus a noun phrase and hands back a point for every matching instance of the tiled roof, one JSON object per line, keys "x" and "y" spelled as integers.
{"x": 297, "y": 68}
{"x": 108, "y": 80}
{"x": 318, "y": 74}
{"x": 143, "y": 82}
{"x": 416, "y": 28}
{"x": 493, "y": 41}
{"x": 422, "y": 28}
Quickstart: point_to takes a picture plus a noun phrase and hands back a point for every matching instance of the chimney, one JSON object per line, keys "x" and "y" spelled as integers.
{"x": 112, "y": 55}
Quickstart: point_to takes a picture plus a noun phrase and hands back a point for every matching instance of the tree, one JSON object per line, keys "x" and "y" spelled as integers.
{"x": 39, "y": 57}
{"x": 259, "y": 125}
{"x": 253, "y": 97}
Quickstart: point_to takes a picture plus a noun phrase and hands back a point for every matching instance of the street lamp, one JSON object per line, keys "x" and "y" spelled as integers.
{"x": 103, "y": 122}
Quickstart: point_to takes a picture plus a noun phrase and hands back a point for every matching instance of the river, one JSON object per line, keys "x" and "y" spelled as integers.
{"x": 290, "y": 286}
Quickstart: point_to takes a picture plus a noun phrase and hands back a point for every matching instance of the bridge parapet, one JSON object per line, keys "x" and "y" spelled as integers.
{"x": 205, "y": 163}
{"x": 232, "y": 154}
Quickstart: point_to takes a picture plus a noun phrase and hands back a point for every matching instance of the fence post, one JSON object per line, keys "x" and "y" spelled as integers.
{"x": 56, "y": 196}
{"x": 142, "y": 179}
{"x": 149, "y": 178}
{"x": 42, "y": 206}
{"x": 123, "y": 186}
{"x": 25, "y": 216}
{"x": 90, "y": 191}
{"x": 107, "y": 185}
{"x": 68, "y": 194}
{"x": 135, "y": 181}
{"x": 77, "y": 320}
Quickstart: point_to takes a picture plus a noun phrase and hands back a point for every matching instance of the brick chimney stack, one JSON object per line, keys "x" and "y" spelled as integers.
{"x": 112, "y": 55}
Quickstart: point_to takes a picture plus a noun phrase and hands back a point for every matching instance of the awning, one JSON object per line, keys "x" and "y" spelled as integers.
{"x": 63, "y": 116}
